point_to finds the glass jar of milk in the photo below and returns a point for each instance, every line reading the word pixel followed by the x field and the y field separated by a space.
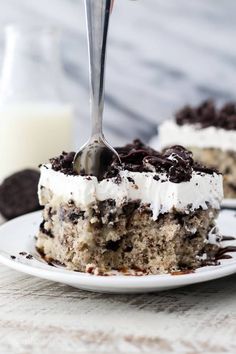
pixel 35 123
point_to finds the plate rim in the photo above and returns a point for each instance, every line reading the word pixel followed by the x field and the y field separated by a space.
pixel 229 202
pixel 129 282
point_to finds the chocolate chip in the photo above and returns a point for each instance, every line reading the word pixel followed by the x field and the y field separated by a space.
pixel 128 248
pixel 118 179
pixel 75 216
pixel 29 256
pixel 130 207
pixel 113 245
pixel 131 180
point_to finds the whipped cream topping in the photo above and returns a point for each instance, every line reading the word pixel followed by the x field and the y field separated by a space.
pixel 191 135
pixel 151 188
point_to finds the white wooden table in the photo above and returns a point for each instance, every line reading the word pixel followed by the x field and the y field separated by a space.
pixel 38 316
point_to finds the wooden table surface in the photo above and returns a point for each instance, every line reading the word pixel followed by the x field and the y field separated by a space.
pixel 38 316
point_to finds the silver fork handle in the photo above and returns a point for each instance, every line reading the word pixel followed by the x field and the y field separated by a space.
pixel 97 18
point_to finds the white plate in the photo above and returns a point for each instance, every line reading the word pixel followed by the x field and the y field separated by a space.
pixel 18 236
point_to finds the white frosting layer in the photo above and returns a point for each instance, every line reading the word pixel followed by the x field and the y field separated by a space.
pixel 162 195
pixel 171 133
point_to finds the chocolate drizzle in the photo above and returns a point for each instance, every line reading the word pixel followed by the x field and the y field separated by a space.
pixel 216 253
pixel 227 238
pixel 206 115
pixel 222 252
pixel 44 230
pixel 176 162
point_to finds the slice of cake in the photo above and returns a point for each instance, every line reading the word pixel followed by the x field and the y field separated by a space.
pixel 153 213
pixel 210 133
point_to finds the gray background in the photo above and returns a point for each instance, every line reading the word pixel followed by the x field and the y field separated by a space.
pixel 162 54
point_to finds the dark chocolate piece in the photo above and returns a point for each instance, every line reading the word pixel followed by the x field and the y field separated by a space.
pixel 113 245
pixel 23 253
pixel 29 256
pixel 76 215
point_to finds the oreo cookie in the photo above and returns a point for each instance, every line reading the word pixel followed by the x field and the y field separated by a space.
pixel 18 194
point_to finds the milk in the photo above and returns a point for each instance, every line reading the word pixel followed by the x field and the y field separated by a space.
pixel 31 133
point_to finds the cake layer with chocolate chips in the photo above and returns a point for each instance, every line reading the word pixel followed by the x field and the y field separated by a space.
pixel 103 238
